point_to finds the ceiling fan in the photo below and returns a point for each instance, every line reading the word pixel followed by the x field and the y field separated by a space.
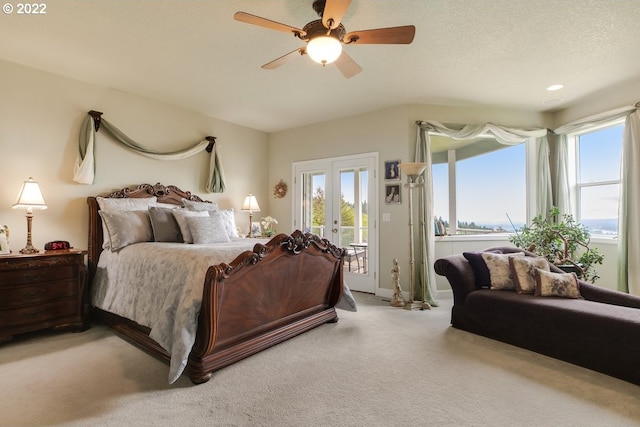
pixel 326 36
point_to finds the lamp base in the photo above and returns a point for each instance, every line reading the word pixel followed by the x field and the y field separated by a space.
pixel 29 250
pixel 417 305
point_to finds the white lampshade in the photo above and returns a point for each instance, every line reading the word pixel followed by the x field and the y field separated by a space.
pixel 413 169
pixel 250 204
pixel 30 196
pixel 324 49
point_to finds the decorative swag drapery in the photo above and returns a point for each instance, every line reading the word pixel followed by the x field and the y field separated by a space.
pixel 84 169
pixel 504 135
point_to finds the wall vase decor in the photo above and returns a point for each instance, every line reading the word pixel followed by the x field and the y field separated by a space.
pixel 414 171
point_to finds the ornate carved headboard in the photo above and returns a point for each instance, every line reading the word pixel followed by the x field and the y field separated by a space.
pixel 165 194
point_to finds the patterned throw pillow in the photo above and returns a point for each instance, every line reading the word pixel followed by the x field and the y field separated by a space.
pixel 549 284
pixel 499 271
pixel 523 272
pixel 207 229
pixel 126 228
pixel 181 216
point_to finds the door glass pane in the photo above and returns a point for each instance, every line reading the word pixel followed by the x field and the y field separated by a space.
pixel 354 217
pixel 313 202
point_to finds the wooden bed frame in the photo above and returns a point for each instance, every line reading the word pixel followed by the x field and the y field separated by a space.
pixel 282 288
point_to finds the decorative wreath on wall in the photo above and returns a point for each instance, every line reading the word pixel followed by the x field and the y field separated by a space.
pixel 280 190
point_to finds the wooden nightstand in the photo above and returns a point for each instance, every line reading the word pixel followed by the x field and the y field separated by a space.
pixel 43 290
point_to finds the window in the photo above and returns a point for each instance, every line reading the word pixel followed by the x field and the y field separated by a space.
pixel 598 154
pixel 481 187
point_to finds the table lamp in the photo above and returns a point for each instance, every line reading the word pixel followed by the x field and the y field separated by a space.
pixel 250 205
pixel 30 198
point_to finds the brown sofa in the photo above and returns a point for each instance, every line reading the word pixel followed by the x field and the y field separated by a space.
pixel 599 331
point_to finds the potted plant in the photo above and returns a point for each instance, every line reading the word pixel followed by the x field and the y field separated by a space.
pixel 563 241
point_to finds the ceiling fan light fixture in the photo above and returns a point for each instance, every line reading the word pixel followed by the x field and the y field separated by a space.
pixel 324 49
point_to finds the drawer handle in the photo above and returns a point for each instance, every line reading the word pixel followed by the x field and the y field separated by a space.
pixel 34 314
pixel 35 293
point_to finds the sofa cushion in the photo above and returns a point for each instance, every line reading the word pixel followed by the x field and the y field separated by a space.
pixel 549 284
pixel 480 270
pixel 499 271
pixel 523 271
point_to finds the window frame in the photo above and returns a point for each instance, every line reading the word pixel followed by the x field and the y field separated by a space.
pixel 573 142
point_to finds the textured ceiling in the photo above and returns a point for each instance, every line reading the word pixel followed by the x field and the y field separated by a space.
pixel 193 54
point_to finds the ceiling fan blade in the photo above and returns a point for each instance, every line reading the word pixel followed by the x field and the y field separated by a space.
pixel 334 11
pixel 391 35
pixel 284 58
pixel 267 23
pixel 347 66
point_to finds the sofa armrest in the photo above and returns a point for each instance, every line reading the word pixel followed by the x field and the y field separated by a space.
pixel 596 293
pixel 460 275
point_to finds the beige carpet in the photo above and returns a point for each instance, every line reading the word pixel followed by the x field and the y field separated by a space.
pixel 381 366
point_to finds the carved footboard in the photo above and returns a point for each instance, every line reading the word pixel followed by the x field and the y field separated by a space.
pixel 264 297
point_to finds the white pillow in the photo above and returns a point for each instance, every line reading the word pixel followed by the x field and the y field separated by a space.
pixel 199 206
pixel 181 216
pixel 207 229
pixel 126 204
pixel 229 221
pixel 126 228
pixel 123 204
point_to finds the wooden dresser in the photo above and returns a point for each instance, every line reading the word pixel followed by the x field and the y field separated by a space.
pixel 43 290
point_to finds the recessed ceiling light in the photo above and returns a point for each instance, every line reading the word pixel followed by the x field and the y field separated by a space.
pixel 555 87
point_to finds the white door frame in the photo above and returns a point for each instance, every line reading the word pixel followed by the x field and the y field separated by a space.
pixel 368 282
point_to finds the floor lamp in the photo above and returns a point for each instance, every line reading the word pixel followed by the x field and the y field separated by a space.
pixel 414 180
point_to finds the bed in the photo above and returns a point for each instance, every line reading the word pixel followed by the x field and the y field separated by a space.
pixel 264 294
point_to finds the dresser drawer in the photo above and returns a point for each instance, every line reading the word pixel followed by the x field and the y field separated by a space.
pixel 16 277
pixel 39 314
pixel 20 295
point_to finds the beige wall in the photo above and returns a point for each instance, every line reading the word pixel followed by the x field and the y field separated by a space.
pixel 391 133
pixel 40 115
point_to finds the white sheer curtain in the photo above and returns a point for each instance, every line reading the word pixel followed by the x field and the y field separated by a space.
pixel 504 135
pixel 84 168
pixel 562 188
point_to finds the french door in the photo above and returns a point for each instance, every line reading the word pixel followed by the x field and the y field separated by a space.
pixel 336 198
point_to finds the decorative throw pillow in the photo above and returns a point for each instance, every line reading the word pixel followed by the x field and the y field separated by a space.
pixel 229 220
pixel 164 225
pixel 199 206
pixel 207 229
pixel 127 227
pixel 499 271
pixel 181 216
pixel 479 267
pixel 523 272
pixel 122 204
pixel 550 284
